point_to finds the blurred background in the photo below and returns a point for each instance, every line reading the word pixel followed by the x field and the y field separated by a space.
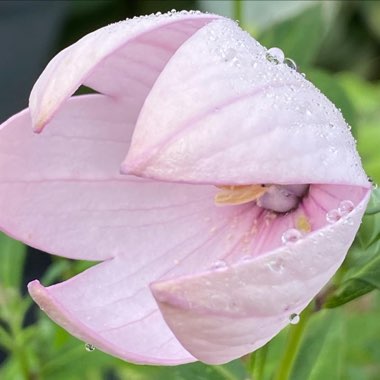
pixel 336 44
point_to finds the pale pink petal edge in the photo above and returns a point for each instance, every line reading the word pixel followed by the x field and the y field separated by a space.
pixel 63 317
pixel 185 301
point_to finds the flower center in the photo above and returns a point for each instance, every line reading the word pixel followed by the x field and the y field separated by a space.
pixel 277 198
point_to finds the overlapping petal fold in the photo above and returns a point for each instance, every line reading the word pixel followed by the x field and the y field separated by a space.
pixel 224 314
pixel 239 118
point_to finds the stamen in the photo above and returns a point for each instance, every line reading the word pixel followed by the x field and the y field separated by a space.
pixel 272 197
pixel 237 195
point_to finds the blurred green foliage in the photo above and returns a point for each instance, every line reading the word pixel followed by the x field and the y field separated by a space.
pixel 337 45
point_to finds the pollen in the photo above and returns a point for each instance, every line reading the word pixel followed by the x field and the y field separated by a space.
pixel 303 223
pixel 237 195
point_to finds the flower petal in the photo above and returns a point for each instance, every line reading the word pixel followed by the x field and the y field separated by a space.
pixel 103 306
pixel 239 119
pixel 56 188
pixel 61 191
pixel 114 60
pixel 223 314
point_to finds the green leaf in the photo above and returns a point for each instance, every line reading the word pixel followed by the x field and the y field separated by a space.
pixel 292 38
pixel 10 370
pixel 256 15
pixel 331 87
pixel 349 291
pixel 362 280
pixel 365 97
pixel 194 371
pixel 12 257
pixel 363 329
pixel 330 362
pixel 368 232
pixel 374 203
pixel 321 352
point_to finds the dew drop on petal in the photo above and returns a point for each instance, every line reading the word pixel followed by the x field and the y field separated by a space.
pixel 229 54
pixel 294 319
pixel 275 55
pixel 348 221
pixel 333 216
pixel 345 207
pixel 289 62
pixel 291 236
pixel 89 347
pixel 276 266
pixel 219 264
pixel 246 258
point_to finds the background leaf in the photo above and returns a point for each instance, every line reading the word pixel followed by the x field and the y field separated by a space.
pixel 12 257
pixel 361 281
pixel 374 203
pixel 290 35
pixel 321 352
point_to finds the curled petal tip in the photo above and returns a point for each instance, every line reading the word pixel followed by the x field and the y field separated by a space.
pixel 128 168
pixel 38 127
pixel 125 169
pixel 33 284
pixel 36 290
pixel 39 120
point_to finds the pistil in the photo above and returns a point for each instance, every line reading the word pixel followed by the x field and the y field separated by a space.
pixel 277 198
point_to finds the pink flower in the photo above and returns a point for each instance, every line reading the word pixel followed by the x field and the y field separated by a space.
pixel 239 196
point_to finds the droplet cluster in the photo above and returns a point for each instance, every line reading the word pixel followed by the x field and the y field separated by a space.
pixel 344 208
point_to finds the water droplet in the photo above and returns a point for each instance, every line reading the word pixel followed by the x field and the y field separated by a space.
pixel 294 319
pixel 333 216
pixel 348 221
pixel 89 347
pixel 345 207
pixel 276 266
pixel 291 236
pixel 173 10
pixel 229 54
pixel 246 258
pixel 289 62
pixel 275 55
pixel 219 264
pixel 158 13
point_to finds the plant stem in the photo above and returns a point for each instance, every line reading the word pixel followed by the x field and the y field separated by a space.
pixel 238 10
pixel 257 363
pixel 292 346
pixel 224 372
pixel 23 361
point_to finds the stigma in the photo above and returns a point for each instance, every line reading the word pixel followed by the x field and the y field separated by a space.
pixel 276 198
